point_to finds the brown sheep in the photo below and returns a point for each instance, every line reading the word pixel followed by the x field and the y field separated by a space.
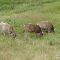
pixel 46 26
pixel 33 28
pixel 7 29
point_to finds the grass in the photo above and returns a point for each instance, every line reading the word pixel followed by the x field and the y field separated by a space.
pixel 17 13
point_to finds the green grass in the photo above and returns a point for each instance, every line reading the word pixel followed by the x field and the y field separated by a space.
pixel 29 46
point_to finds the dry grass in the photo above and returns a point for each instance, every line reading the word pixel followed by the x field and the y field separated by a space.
pixel 31 47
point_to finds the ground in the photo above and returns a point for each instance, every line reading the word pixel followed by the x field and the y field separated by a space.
pixel 31 47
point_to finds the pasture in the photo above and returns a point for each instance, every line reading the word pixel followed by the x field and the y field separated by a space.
pixel 31 47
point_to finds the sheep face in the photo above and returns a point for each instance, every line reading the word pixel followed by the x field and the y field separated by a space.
pixel 13 34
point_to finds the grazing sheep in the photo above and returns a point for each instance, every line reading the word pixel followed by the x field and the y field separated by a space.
pixel 7 29
pixel 47 26
pixel 33 28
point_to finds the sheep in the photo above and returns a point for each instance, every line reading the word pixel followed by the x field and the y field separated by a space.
pixel 7 29
pixel 46 26
pixel 33 28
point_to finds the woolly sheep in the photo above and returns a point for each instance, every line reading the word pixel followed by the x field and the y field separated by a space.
pixel 7 29
pixel 33 28
pixel 47 26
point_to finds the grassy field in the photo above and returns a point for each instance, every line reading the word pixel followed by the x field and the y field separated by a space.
pixel 31 47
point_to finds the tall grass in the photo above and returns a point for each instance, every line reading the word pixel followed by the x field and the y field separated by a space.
pixel 20 12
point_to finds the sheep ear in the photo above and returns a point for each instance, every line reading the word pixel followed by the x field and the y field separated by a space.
pixel 10 32
pixel 38 24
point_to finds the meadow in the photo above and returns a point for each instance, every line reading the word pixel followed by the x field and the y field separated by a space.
pixel 31 47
